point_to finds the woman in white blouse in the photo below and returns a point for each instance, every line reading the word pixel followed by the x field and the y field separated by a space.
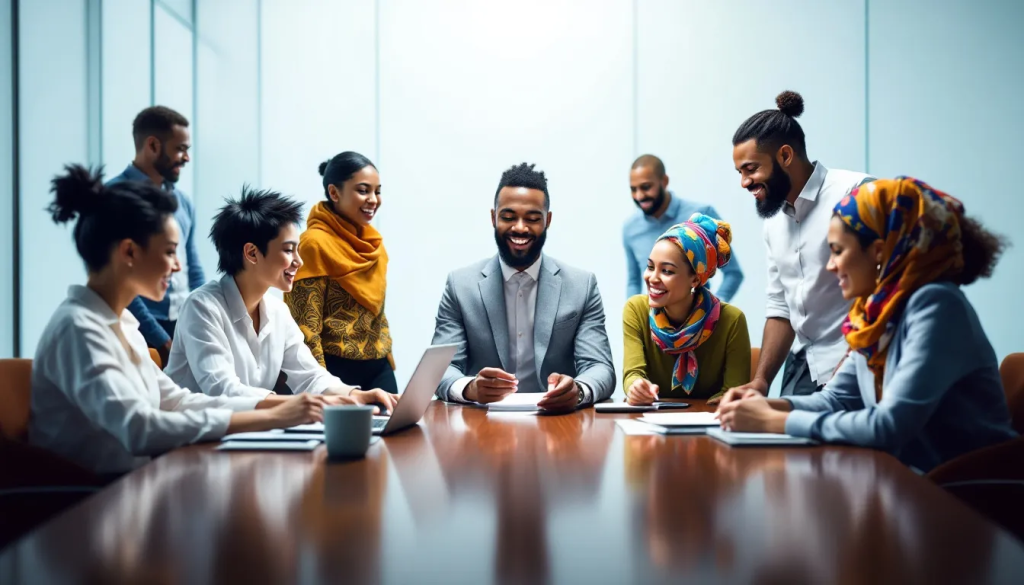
pixel 97 398
pixel 236 340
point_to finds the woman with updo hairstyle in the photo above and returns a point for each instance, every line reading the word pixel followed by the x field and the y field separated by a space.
pixel 681 341
pixel 338 295
pixel 98 400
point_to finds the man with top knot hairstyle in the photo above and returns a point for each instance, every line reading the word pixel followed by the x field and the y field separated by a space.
pixel 805 306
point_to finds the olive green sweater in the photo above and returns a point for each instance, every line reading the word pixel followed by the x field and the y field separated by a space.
pixel 723 360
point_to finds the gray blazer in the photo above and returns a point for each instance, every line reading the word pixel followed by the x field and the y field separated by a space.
pixel 569 334
pixel 941 392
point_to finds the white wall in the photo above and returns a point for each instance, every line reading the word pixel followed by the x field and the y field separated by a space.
pixel 52 132
pixel 471 88
pixel 318 90
pixel 226 138
pixel 173 74
pixel 126 77
pixel 945 107
pixel 6 185
pixel 701 73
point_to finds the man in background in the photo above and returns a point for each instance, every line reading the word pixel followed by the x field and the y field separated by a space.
pixel 661 209
pixel 162 142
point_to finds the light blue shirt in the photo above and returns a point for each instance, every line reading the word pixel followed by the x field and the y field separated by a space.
pixel 190 278
pixel 941 393
pixel 641 231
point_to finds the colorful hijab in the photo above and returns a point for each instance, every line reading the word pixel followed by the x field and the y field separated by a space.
pixel 705 243
pixel 332 247
pixel 920 228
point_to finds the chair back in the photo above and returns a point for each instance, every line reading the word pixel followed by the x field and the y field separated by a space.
pixel 155 356
pixel 1012 373
pixel 15 398
pixel 755 355
pixel 990 480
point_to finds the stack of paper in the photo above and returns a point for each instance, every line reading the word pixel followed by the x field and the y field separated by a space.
pixel 758 439
pixel 301 438
pixel 516 402
pixel 268 445
pixel 680 423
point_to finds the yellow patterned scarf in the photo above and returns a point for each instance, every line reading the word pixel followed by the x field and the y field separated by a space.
pixel 332 247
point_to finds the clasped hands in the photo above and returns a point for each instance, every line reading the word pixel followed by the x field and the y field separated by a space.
pixel 747 409
pixel 493 384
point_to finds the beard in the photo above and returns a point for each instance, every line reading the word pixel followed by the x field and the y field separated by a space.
pixel 776 188
pixel 658 199
pixel 166 167
pixel 517 259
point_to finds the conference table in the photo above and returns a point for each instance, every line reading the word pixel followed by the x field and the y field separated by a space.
pixel 472 497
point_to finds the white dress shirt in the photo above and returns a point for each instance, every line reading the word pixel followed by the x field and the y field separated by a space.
pixel 520 310
pixel 100 401
pixel 799 287
pixel 217 351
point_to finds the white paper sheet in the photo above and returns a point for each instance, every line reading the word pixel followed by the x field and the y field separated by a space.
pixel 681 419
pixel 310 428
pixel 516 402
pixel 276 435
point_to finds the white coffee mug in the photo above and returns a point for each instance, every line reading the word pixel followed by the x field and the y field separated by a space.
pixel 347 430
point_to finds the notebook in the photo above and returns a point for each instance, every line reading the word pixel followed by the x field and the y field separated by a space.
pixel 735 439
pixel 677 430
pixel 681 419
pixel 268 445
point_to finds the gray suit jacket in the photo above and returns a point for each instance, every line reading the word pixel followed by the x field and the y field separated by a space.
pixel 569 334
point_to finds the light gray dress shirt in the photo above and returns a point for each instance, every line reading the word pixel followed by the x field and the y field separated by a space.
pixel 799 287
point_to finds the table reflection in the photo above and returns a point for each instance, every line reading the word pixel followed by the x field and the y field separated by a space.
pixel 520 499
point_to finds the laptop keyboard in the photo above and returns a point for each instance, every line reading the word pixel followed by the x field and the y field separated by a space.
pixel 379 423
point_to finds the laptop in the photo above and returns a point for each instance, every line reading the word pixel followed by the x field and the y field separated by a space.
pixel 418 392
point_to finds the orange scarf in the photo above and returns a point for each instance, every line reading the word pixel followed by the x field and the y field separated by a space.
pixel 920 228
pixel 331 247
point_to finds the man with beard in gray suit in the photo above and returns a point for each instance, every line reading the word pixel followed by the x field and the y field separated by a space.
pixel 524 322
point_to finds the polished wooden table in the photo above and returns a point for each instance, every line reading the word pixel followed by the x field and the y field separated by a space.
pixel 471 498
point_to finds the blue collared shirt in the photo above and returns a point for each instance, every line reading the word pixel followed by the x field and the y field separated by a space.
pixel 189 278
pixel 641 231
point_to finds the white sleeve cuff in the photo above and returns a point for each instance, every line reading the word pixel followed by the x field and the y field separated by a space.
pixel 457 388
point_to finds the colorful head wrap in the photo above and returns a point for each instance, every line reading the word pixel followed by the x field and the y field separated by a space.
pixel 705 243
pixel 920 229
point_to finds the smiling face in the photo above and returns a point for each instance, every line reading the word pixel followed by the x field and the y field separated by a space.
pixel 520 225
pixel 171 154
pixel 648 189
pixel 855 266
pixel 763 176
pixel 153 264
pixel 358 199
pixel 276 268
pixel 669 277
